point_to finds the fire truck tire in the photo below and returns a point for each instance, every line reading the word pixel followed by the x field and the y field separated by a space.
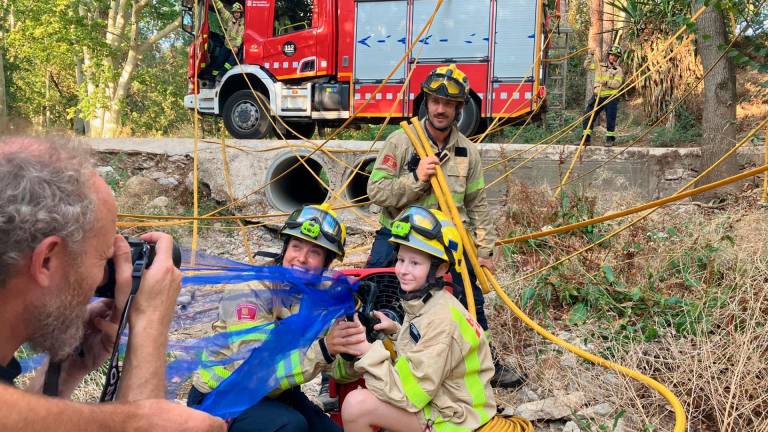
pixel 305 129
pixel 245 117
pixel 469 120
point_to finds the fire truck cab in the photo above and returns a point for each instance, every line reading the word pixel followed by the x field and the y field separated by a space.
pixel 316 62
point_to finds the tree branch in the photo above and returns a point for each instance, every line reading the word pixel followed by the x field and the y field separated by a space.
pixel 157 37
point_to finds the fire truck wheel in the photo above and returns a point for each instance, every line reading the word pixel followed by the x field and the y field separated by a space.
pixel 305 129
pixel 469 119
pixel 245 117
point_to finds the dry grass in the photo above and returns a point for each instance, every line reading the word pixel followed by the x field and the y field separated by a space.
pixel 716 366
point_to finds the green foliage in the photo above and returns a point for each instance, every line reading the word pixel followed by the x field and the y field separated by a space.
pixel 64 61
pixel 623 306
pixel 367 132
pixel 685 131
pixel 587 425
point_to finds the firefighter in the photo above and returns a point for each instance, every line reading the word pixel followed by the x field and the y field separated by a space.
pixel 608 78
pixel 400 178
pixel 312 238
pixel 234 27
pixel 440 378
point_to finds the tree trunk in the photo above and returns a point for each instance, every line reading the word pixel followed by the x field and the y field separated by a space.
pixel 609 15
pixel 3 106
pixel 595 41
pixel 719 114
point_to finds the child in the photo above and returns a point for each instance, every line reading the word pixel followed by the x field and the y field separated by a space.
pixel 440 380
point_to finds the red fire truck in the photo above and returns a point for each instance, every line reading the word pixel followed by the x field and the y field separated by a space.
pixel 316 62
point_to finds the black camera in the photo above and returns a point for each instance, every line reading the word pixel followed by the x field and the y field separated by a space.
pixel 142 255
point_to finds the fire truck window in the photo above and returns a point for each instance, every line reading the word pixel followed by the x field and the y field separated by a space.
pixel 292 16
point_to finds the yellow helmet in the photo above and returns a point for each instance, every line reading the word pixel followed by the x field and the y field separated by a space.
pixel 429 231
pixel 317 224
pixel 237 7
pixel 447 82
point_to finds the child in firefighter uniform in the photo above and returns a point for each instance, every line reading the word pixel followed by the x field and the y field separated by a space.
pixel 608 79
pixel 313 238
pixel 441 376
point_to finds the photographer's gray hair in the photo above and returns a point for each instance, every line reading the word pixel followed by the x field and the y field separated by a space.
pixel 45 193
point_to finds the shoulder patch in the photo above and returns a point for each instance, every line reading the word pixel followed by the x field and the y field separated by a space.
pixel 475 325
pixel 461 152
pixel 390 162
pixel 246 312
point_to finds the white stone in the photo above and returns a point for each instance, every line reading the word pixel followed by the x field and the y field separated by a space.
pixel 168 181
pixel 105 171
pixel 551 408
pixel 599 410
pixel 571 427
pixel 160 202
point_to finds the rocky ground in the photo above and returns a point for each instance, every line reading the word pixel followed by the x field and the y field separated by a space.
pixel 563 392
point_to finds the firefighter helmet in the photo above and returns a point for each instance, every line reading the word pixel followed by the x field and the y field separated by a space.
pixel 317 224
pixel 237 7
pixel 447 82
pixel 429 231
pixel 615 50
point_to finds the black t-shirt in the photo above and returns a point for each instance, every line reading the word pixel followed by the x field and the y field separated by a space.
pixel 10 371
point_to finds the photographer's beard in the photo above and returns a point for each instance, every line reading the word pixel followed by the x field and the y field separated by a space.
pixel 62 319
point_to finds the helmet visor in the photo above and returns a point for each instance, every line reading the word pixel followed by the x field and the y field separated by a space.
pixel 417 219
pixel 314 222
pixel 451 86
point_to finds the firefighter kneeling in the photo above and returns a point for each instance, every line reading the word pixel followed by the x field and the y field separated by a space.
pixel 442 374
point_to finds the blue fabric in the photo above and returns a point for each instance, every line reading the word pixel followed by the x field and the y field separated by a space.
pixel 321 298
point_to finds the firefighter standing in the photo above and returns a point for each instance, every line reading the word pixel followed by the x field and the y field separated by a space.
pixel 234 27
pixel 608 79
pixel 400 178
pixel 440 378
pixel 313 238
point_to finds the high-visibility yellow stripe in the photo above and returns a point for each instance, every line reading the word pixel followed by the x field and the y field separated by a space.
pixel 476 185
pixel 378 174
pixel 296 363
pixel 413 391
pixel 472 380
pixel 284 384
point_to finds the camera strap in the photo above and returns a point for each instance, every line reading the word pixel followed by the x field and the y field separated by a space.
pixel 109 392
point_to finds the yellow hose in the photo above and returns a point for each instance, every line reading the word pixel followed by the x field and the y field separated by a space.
pixel 680 417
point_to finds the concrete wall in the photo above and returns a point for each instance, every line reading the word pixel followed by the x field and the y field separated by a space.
pixel 647 173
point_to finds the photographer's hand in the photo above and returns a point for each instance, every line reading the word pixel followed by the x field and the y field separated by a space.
pixel 385 325
pixel 96 346
pixel 149 318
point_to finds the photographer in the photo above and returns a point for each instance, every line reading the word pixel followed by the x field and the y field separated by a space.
pixel 57 232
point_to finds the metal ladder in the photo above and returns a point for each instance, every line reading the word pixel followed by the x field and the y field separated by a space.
pixel 557 72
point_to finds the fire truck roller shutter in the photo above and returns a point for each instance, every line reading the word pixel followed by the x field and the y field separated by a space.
pixel 380 39
pixel 460 31
pixel 515 27
pixel 296 186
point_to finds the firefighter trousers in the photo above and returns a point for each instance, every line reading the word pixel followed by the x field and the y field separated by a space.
pixel 383 256
pixel 611 110
pixel 291 411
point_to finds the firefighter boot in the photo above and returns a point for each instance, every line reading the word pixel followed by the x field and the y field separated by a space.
pixel 610 138
pixel 504 376
pixel 327 402
pixel 587 137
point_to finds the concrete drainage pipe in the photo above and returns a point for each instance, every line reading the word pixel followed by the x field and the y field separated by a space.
pixel 296 186
pixel 357 189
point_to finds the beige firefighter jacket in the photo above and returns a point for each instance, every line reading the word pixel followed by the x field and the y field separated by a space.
pixel 445 375
pixel 608 78
pixel 241 308
pixel 234 28
pixel 393 187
